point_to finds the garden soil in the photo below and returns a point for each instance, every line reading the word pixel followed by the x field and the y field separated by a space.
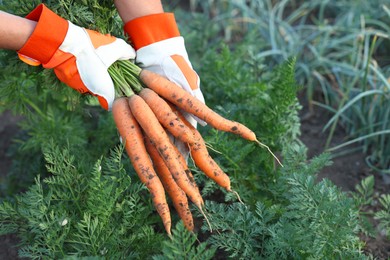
pixel 345 172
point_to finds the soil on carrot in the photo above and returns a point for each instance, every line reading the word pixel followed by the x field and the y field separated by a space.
pixel 345 172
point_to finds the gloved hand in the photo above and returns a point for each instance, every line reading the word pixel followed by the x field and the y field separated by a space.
pixel 160 48
pixel 80 57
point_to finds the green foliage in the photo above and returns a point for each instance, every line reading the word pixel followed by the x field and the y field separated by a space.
pixel 183 245
pixel 52 110
pixel 315 220
pixel 84 207
pixel 287 215
pixel 341 49
pixel 86 133
pixel 368 202
pixel 366 198
pixel 383 215
pixel 236 91
pixel 365 190
pixel 100 212
pixel 98 15
pixel 242 89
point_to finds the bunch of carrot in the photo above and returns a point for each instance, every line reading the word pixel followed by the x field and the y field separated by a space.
pixel 145 114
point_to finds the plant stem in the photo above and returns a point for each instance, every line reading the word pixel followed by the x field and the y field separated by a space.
pixel 34 106
pixel 122 88
pixel 371 51
pixel 125 75
pixel 131 73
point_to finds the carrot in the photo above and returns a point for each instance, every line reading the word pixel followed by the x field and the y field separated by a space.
pixel 203 160
pixel 184 100
pixel 190 104
pixel 206 164
pixel 132 136
pixel 166 116
pixel 153 129
pixel 190 177
pixel 178 197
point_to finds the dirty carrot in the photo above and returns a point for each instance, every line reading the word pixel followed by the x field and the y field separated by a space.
pixel 177 195
pixel 166 116
pixel 184 100
pixel 153 129
pixel 190 177
pixel 203 160
pixel 132 136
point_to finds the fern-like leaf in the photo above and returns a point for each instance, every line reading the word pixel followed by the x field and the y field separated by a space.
pixel 184 245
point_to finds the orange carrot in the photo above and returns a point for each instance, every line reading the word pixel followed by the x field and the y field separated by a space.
pixel 184 100
pixel 178 197
pixel 131 134
pixel 190 177
pixel 206 164
pixel 166 116
pixel 153 129
pixel 184 164
pixel 202 158
pixel 204 161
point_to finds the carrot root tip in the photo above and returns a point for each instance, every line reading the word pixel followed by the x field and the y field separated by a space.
pixel 207 220
pixel 238 196
pixel 269 150
pixel 168 229
pixel 213 149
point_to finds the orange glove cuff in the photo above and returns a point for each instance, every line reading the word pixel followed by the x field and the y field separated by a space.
pixel 47 36
pixel 152 28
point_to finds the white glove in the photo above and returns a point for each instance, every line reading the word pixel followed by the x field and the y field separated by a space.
pixel 80 57
pixel 161 49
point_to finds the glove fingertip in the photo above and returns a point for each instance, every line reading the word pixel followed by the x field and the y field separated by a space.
pixel 199 95
pixel 103 103
pixel 127 51
pixel 106 98
pixel 201 122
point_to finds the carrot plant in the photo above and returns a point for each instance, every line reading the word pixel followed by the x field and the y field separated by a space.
pixel 341 49
pixel 86 199
pixel 98 212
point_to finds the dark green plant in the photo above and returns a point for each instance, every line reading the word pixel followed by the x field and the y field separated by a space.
pixel 51 109
pixel 368 200
pixel 341 49
pixel 90 207
pixel 265 101
pixel 87 131
pixel 308 220
pixel 383 215
pixel 99 212
pixel 184 245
